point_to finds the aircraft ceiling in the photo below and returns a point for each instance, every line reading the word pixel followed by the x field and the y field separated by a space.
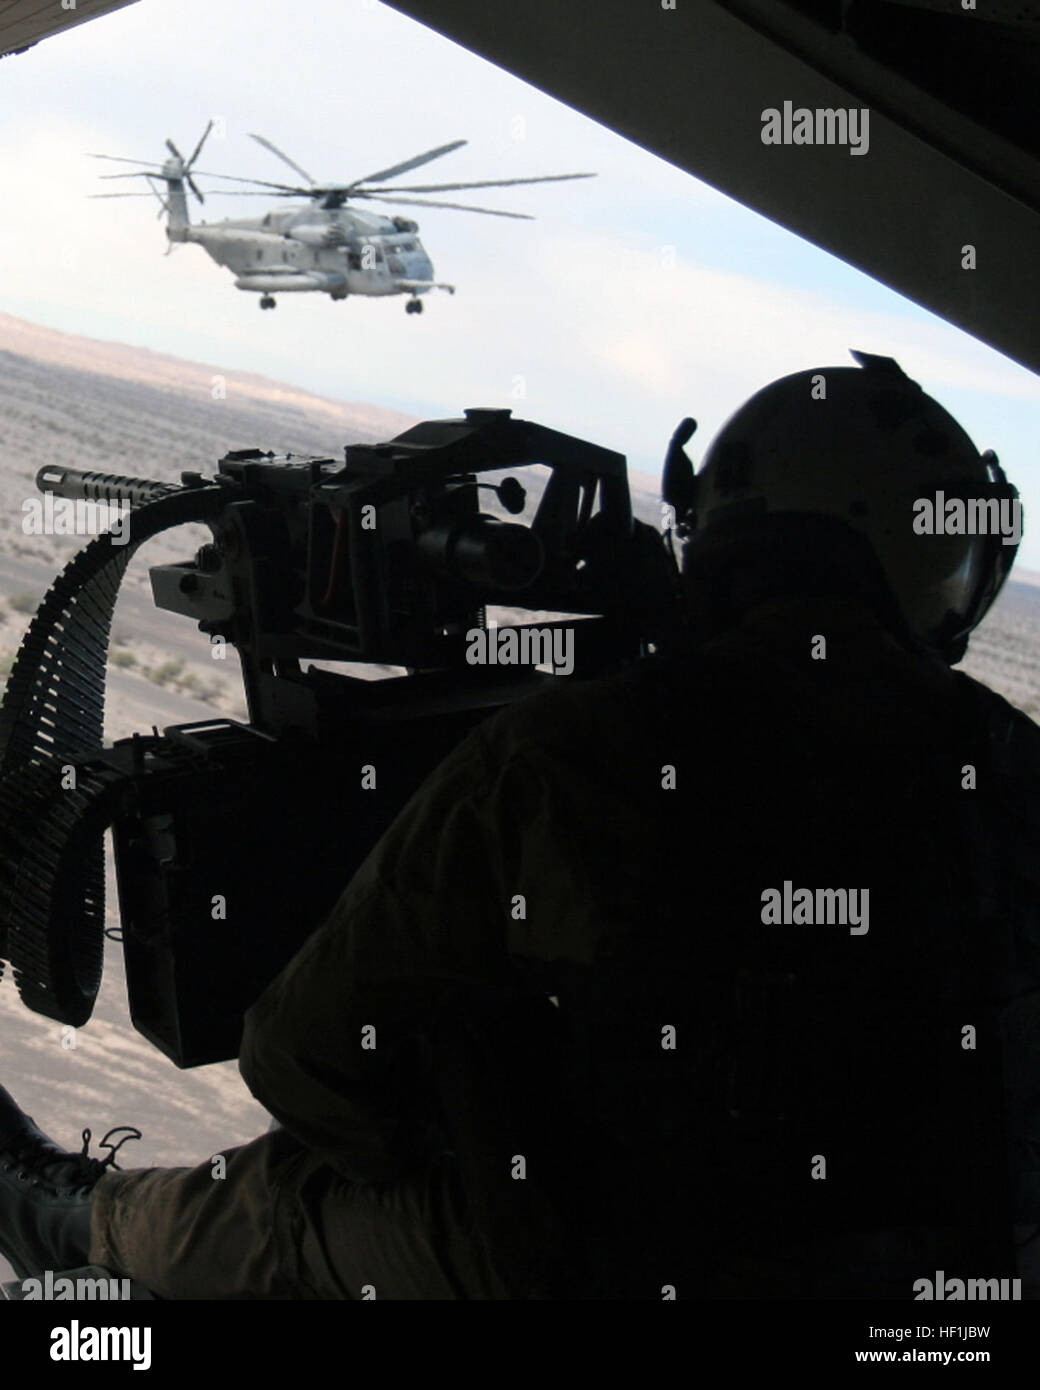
pixel 25 22
pixel 952 88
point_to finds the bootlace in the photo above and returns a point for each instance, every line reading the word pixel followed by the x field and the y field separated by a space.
pixel 100 1164
pixel 79 1171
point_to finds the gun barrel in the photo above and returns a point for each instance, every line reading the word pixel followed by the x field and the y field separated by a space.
pixel 101 487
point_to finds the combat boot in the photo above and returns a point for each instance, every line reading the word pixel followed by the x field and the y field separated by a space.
pixel 45 1193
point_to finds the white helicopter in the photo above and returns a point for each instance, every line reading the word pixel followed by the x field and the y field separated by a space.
pixel 328 246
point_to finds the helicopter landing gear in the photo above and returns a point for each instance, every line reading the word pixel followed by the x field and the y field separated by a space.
pixel 414 306
pixel 267 301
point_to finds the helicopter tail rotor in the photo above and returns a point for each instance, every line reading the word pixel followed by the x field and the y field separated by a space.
pixel 175 170
pixel 186 165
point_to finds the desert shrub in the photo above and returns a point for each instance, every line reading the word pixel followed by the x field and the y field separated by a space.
pixel 168 671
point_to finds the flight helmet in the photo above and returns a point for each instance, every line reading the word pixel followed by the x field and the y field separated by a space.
pixel 869 451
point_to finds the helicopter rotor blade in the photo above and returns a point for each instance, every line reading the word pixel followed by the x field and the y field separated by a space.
pixel 339 194
pixel 153 192
pixel 164 204
pixel 262 140
pixel 249 193
pixel 277 193
pixel 482 183
pixel 145 174
pixel 148 174
pixel 264 183
pixel 119 159
pixel 198 148
pixel 459 207
pixel 281 190
pixel 408 164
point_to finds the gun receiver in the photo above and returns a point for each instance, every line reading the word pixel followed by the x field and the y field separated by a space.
pixel 387 558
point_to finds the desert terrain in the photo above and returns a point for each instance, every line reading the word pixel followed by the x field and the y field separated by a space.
pixel 71 401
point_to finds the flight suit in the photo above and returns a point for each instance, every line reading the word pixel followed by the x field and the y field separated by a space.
pixel 627 830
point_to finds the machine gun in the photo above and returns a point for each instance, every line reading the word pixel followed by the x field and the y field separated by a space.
pixel 233 841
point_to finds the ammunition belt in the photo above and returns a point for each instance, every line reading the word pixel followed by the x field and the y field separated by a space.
pixel 56 796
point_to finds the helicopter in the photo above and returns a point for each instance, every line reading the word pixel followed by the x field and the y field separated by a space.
pixel 329 246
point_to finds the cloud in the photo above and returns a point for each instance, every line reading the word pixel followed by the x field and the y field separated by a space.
pixel 656 318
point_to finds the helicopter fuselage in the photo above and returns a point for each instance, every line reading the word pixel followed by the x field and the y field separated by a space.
pixel 336 251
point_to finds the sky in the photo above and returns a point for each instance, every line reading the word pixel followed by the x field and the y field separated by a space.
pixel 636 298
